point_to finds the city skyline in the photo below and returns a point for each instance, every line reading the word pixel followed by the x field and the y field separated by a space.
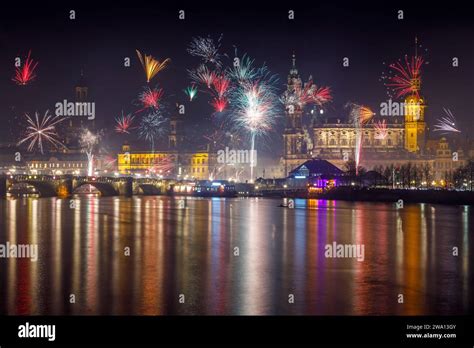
pixel 116 87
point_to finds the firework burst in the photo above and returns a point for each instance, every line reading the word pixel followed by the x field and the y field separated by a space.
pixel 26 73
pixel 88 140
pixel 151 65
pixel 309 93
pixel 151 127
pixel 406 76
pixel 191 92
pixel 447 123
pixel 381 131
pixel 221 85
pixel 203 75
pixel 244 71
pixel 124 123
pixel 40 131
pixel 219 104
pixel 360 114
pixel 150 98
pixel 206 49
pixel 255 106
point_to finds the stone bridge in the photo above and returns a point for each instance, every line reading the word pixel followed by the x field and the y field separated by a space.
pixel 66 185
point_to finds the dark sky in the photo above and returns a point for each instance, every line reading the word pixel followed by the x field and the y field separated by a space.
pixel 321 35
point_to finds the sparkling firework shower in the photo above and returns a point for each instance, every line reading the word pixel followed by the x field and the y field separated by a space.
pixel 88 140
pixel 206 49
pixel 40 131
pixel 151 65
pixel 151 127
pixel 25 73
pixel 244 71
pixel 203 75
pixel 256 109
pixel 359 116
pixel 447 123
pixel 309 93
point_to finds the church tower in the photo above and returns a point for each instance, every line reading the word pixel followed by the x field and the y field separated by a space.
pixel 293 137
pixel 415 126
pixel 75 124
pixel 175 136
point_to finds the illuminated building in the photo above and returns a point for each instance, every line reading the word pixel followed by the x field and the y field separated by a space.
pixel 58 164
pixel 315 134
pixel 174 162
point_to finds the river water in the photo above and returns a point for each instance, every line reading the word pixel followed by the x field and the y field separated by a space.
pixel 157 255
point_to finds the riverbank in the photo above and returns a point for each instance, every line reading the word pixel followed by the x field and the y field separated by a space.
pixel 394 195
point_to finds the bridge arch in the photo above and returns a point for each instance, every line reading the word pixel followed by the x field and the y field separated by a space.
pixel 105 189
pixel 43 188
pixel 148 189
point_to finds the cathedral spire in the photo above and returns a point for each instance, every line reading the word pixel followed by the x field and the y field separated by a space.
pixel 293 70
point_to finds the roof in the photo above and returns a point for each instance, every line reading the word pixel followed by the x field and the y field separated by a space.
pixel 316 167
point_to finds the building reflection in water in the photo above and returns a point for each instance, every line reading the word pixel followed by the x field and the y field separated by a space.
pixel 234 256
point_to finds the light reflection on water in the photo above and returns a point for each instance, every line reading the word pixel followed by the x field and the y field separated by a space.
pixel 193 252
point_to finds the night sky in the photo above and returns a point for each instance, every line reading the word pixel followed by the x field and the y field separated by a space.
pixel 321 35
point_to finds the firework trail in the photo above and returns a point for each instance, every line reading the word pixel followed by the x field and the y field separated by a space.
pixel 124 123
pixel 447 124
pixel 87 141
pixel 25 73
pixel 359 116
pixel 203 75
pixel 255 111
pixel 151 127
pixel 191 92
pixel 150 98
pixel 206 49
pixel 151 65
pixel 381 131
pixel 40 131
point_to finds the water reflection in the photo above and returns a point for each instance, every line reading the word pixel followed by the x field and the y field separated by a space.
pixel 234 256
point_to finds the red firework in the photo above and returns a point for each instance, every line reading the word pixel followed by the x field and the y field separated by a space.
pixel 219 104
pixel 25 73
pixel 407 79
pixel 221 85
pixel 124 124
pixel 321 95
pixel 150 98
